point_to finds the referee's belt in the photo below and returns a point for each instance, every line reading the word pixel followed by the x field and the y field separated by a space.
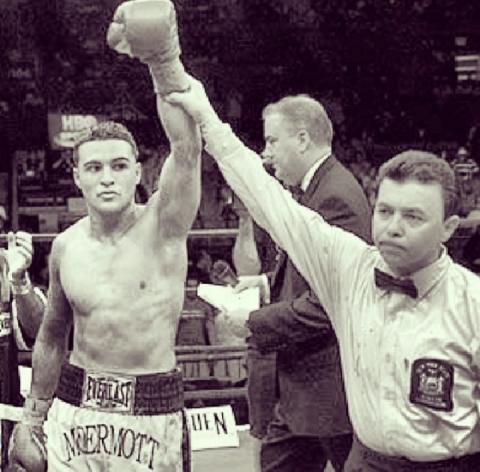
pixel 148 395
pixel 378 461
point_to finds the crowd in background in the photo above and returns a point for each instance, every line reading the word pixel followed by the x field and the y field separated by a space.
pixel 381 100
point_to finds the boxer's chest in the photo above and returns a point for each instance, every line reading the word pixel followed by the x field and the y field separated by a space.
pixel 95 276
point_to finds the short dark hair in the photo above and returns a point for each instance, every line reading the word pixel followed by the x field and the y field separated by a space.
pixel 102 131
pixel 303 111
pixel 423 167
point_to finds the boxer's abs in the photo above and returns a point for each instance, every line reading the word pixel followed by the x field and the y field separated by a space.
pixel 120 330
pixel 135 336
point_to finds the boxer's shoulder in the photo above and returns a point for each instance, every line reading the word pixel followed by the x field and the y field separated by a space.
pixel 67 237
pixel 78 228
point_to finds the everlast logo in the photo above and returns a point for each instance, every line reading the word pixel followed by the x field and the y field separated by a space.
pixel 108 393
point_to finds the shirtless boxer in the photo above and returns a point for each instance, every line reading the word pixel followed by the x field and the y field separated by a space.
pixel 118 276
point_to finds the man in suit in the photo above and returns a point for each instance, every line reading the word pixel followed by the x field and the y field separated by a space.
pixel 309 425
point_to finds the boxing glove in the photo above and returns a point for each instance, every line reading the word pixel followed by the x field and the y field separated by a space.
pixel 27 450
pixel 147 30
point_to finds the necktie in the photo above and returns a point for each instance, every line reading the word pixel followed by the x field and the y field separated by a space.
pixel 278 275
pixel 387 282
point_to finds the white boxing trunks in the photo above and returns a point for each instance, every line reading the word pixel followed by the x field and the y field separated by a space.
pixel 102 422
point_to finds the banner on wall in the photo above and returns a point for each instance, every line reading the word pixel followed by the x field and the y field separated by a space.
pixel 63 128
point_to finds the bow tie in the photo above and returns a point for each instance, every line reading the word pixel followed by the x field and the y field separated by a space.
pixel 387 282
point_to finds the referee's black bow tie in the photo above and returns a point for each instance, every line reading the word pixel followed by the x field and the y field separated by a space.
pixel 387 282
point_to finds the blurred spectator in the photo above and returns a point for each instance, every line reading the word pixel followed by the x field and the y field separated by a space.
pixel 204 266
pixel 474 142
pixel 471 251
pixel 467 173
pixel 3 219
pixel 365 172
pixel 225 198
pixel 233 108
pixel 197 323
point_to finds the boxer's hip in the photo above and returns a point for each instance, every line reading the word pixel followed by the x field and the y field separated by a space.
pixel 104 421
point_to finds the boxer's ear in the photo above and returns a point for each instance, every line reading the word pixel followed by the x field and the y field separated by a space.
pixel 76 178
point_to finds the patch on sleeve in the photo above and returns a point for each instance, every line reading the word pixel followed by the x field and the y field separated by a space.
pixel 431 384
pixel 5 324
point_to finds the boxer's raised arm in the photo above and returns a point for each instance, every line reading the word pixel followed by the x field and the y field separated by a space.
pixel 51 345
pixel 147 30
pixel 178 195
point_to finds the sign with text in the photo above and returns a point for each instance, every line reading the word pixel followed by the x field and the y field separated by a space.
pixel 212 427
pixel 63 128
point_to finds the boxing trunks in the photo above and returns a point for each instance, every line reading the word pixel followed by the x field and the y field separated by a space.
pixel 106 421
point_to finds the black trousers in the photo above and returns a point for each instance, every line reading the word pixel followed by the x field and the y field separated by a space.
pixel 262 390
pixel 282 451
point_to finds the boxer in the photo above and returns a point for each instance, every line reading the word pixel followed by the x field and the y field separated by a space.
pixel 117 276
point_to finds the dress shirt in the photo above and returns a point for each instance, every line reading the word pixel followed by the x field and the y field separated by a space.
pixel 307 178
pixel 411 366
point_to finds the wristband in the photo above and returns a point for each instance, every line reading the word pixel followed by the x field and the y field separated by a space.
pixel 21 287
pixel 35 410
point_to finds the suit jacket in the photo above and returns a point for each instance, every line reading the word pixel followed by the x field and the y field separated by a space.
pixel 311 393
